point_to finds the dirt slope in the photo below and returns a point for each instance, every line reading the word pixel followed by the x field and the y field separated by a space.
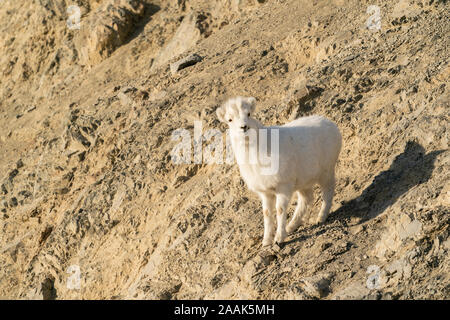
pixel 88 186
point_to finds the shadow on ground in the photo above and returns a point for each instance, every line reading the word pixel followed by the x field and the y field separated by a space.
pixel 410 168
pixel 150 10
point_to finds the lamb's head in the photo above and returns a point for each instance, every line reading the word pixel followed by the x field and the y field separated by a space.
pixel 237 112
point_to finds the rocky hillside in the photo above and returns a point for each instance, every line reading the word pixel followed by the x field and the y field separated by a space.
pixel 92 205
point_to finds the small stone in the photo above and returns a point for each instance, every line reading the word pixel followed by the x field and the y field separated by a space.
pixel 295 293
pixel 13 202
pixel 288 251
pixel 143 95
pixel 82 156
pixel 325 246
pixel 340 101
pixel 317 286
pixel 374 296
pixel 19 164
pixel 356 229
pixel 349 108
pixel 188 61
pixel 12 174
pixel 387 296
pixel 128 89
pixel 276 248
pixel 266 259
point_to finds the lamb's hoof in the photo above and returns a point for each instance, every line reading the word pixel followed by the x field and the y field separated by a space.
pixel 279 238
pixel 291 228
pixel 266 242
pixel 321 220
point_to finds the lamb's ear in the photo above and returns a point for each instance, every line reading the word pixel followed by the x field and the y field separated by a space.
pixel 221 113
pixel 252 102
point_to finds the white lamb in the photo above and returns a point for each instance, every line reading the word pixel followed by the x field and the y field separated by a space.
pixel 308 149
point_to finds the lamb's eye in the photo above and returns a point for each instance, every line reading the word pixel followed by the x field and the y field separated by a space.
pixel 230 120
pixel 249 114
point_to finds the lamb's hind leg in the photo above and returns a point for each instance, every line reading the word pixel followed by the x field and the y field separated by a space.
pixel 327 189
pixel 304 198
pixel 268 204
pixel 281 206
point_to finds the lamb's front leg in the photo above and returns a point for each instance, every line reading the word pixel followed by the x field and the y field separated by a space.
pixel 268 204
pixel 281 205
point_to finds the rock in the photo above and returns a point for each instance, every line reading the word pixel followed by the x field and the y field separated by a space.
pixel 357 229
pixel 324 246
pixel 31 109
pixel 13 174
pixel 48 289
pixel 276 247
pixel 399 270
pixel 248 272
pixel 185 38
pixel 179 180
pixel 19 164
pixel 446 244
pixel 13 202
pixel 295 293
pixel 400 230
pixel 317 286
pixel 188 61
pixel 125 100
pixel 374 296
pixel 268 258
pixel 444 196
pixel 107 29
pixel 409 228
pixel 354 291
